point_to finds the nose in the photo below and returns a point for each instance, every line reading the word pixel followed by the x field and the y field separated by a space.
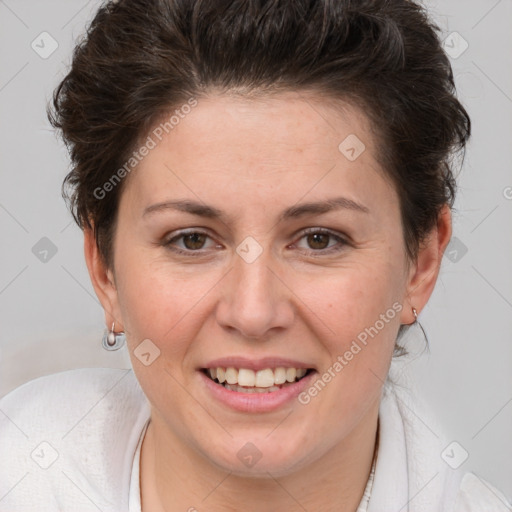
pixel 255 299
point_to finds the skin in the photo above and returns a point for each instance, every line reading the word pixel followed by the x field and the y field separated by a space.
pixel 252 158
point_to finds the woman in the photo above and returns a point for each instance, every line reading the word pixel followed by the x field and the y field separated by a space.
pixel 265 193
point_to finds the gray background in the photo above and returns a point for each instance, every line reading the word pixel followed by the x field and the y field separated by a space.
pixel 51 319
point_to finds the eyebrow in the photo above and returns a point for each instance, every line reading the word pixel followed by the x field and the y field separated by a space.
pixel 312 208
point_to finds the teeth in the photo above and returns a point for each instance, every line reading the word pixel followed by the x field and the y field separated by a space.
pixel 247 378
pixel 221 375
pixel 266 379
pixel 231 375
pixel 280 375
pixel 251 390
pixel 301 372
pixel 291 373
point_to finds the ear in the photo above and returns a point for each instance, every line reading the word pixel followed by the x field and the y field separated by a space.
pixel 103 281
pixel 425 270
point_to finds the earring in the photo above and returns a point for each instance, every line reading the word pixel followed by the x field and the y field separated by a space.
pixel 113 340
pixel 415 313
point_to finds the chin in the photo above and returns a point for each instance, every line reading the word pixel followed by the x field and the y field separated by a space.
pixel 258 457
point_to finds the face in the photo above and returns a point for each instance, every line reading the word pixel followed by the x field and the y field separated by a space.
pixel 246 272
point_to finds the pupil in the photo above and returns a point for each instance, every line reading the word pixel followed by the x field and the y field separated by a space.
pixel 316 238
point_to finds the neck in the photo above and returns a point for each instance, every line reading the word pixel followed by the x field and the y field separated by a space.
pixel 175 478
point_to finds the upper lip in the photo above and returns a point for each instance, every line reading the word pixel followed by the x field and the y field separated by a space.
pixel 256 364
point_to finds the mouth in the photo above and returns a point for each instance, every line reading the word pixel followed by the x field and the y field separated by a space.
pixel 245 380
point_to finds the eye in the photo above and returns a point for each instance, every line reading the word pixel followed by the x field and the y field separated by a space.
pixel 319 241
pixel 192 242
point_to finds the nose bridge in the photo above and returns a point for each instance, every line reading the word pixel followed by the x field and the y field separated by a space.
pixel 253 279
pixel 254 298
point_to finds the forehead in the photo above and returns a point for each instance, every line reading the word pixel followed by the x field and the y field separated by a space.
pixel 289 125
pixel 285 144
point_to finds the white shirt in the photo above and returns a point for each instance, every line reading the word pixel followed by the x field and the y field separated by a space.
pixel 71 441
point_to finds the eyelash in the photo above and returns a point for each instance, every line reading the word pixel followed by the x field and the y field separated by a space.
pixel 309 231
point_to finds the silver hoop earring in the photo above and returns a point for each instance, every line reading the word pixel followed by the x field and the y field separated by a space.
pixel 113 340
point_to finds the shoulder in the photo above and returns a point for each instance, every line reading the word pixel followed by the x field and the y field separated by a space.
pixel 72 430
pixel 54 398
pixel 475 494
pixel 416 460
pixel 66 382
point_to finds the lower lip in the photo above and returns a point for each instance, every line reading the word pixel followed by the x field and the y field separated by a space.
pixel 256 402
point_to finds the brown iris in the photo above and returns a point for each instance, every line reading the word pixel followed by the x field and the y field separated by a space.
pixel 316 239
pixel 196 240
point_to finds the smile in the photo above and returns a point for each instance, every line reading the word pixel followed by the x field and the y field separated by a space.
pixel 245 380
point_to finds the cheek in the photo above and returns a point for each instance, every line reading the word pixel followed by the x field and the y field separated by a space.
pixel 348 300
pixel 155 300
pixel 359 312
pixel 162 306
